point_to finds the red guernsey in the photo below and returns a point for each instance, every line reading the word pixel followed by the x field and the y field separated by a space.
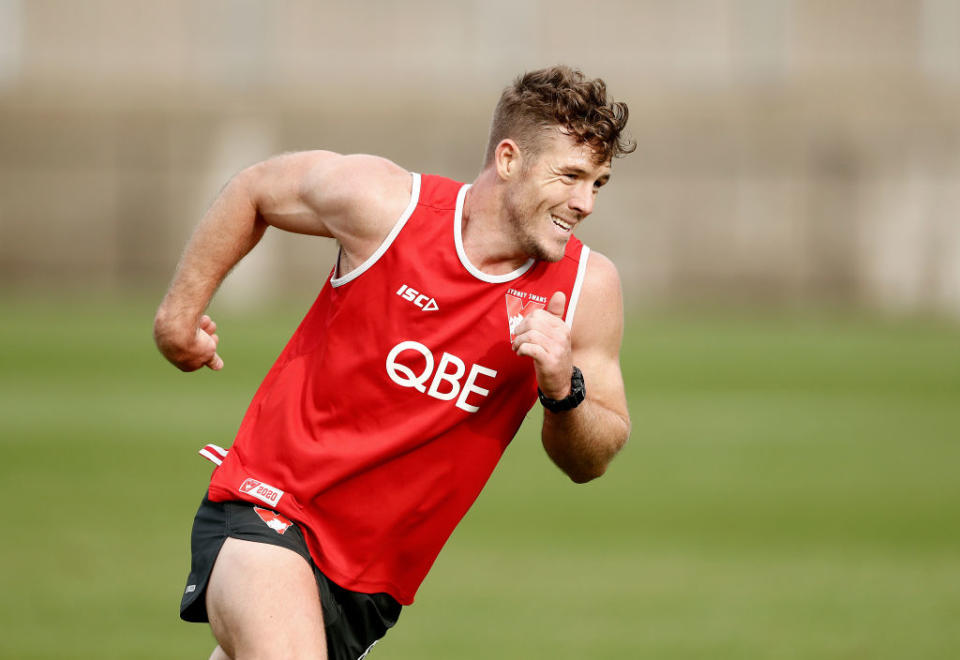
pixel 389 408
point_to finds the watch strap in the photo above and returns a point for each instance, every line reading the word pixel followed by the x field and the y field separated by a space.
pixel 577 394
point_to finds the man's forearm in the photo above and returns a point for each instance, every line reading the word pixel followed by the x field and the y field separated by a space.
pixel 584 440
pixel 227 232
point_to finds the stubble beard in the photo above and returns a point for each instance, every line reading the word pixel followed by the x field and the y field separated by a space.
pixel 523 221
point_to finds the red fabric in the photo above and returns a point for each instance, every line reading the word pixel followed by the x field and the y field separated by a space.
pixel 378 473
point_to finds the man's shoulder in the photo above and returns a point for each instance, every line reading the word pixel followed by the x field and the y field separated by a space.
pixel 601 298
pixel 360 196
pixel 354 179
pixel 601 272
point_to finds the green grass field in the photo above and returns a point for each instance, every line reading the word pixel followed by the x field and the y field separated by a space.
pixel 791 490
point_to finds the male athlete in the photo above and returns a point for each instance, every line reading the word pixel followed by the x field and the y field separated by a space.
pixel 450 310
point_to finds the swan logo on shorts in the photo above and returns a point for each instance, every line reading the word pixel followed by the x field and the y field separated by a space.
pixel 520 305
pixel 274 520
pixel 262 491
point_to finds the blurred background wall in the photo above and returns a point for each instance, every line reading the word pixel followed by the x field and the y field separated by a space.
pixel 790 152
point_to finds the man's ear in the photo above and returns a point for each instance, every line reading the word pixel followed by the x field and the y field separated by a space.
pixel 508 159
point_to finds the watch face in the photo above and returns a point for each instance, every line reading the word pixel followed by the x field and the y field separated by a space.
pixel 576 381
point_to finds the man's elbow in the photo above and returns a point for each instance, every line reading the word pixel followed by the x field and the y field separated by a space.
pixel 584 472
pixel 582 475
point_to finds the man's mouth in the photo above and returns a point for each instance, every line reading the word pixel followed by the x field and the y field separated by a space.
pixel 565 226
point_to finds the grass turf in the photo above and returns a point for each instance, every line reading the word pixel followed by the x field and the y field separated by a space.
pixel 790 490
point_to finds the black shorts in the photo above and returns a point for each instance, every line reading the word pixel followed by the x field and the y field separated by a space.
pixel 353 621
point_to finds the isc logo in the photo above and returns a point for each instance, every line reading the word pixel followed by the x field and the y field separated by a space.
pixel 446 381
pixel 421 300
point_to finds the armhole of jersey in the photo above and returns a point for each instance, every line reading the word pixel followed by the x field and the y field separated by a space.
pixel 373 258
pixel 577 285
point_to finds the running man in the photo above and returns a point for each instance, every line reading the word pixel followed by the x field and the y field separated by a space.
pixel 450 310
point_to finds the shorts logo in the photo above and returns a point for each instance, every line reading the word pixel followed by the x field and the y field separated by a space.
pixel 274 520
pixel 520 305
pixel 262 491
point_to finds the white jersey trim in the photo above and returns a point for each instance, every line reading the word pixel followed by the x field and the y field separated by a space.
pixel 214 453
pixel 458 239
pixel 577 285
pixel 373 258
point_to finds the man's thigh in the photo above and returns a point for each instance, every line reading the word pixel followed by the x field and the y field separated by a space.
pixel 263 602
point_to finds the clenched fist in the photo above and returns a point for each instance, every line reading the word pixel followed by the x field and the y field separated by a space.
pixel 190 351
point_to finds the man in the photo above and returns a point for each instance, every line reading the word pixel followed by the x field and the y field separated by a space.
pixel 448 307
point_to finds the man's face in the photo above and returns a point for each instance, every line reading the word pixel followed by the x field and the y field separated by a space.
pixel 554 192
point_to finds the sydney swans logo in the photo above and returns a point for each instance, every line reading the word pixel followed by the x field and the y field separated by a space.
pixel 521 304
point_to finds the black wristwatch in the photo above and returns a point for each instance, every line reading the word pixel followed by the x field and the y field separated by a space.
pixel 572 400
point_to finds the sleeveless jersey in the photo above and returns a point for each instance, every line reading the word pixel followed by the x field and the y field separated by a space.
pixel 390 406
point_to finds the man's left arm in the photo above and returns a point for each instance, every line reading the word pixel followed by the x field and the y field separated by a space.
pixel 582 441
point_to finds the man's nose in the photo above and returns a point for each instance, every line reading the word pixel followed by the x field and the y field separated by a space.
pixel 582 200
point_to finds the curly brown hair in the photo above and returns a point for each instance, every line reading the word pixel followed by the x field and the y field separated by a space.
pixel 560 96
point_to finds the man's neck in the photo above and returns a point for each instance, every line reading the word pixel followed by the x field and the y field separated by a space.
pixel 488 237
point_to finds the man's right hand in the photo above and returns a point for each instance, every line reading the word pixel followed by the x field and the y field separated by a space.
pixel 191 352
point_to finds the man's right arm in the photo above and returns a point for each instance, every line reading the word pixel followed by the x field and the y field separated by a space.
pixel 355 199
